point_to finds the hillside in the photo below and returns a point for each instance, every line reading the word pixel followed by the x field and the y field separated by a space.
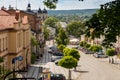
pixel 84 12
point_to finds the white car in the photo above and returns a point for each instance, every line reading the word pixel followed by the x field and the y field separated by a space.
pixel 100 55
pixel 54 58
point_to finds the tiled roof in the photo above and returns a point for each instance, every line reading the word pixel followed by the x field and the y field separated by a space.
pixel 6 22
pixel 4 13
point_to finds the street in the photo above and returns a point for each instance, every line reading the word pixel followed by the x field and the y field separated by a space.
pixel 89 68
pixel 94 69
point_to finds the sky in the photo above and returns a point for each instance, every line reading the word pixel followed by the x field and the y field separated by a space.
pixel 62 4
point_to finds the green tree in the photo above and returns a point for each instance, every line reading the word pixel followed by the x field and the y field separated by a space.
pixel 34 41
pixel 61 47
pixel 51 22
pixel 52 3
pixel 62 37
pixel 75 28
pixel 110 52
pixel 74 53
pixel 68 62
pixel 65 51
pixel 96 48
pixel 106 22
pixel 46 33
pixel 83 43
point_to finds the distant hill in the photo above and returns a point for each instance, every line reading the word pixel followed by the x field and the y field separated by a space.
pixel 84 12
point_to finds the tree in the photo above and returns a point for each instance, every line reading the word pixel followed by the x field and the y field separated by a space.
pixel 110 52
pixel 65 51
pixel 106 22
pixel 68 62
pixel 74 53
pixel 61 47
pixel 51 22
pixel 34 41
pixel 62 37
pixel 83 43
pixel 75 28
pixel 52 3
pixel 46 33
pixel 96 48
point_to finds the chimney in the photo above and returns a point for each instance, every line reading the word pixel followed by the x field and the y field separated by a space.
pixel 17 15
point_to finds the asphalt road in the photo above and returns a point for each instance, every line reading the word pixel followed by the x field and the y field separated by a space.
pixel 89 68
pixel 93 69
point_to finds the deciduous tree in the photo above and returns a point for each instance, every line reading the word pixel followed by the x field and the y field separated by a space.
pixel 62 37
pixel 68 62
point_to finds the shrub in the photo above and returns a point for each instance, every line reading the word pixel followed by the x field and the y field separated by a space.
pixel 83 43
pixel 95 48
pixel 87 45
pixel 110 52
pixel 65 51
pixel 61 47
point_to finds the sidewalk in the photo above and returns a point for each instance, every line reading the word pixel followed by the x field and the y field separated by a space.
pixel 35 70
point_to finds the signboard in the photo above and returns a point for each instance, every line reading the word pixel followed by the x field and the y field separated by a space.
pixel 19 58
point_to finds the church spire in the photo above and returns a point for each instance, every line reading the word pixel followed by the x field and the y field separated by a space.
pixel 29 7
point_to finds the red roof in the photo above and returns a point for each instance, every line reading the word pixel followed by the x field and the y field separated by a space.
pixel 4 13
pixel 7 20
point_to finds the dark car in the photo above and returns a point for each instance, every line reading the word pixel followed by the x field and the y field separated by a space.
pixel 54 77
pixel 58 54
pixel 57 77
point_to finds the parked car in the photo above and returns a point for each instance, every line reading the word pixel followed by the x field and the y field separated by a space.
pixel 54 58
pixel 58 54
pixel 52 49
pixel 100 55
pixel 54 77
pixel 57 77
pixel 88 52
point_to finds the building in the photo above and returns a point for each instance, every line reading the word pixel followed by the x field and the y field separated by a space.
pixel 14 40
pixel 35 20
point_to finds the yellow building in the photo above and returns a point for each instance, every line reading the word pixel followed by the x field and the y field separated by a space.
pixel 14 40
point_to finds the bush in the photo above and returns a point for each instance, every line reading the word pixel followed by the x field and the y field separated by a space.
pixel 83 43
pixel 65 51
pixel 110 52
pixel 61 47
pixel 87 45
pixel 95 48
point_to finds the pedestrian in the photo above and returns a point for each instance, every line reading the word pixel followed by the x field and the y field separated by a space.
pixel 112 60
pixel 109 60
